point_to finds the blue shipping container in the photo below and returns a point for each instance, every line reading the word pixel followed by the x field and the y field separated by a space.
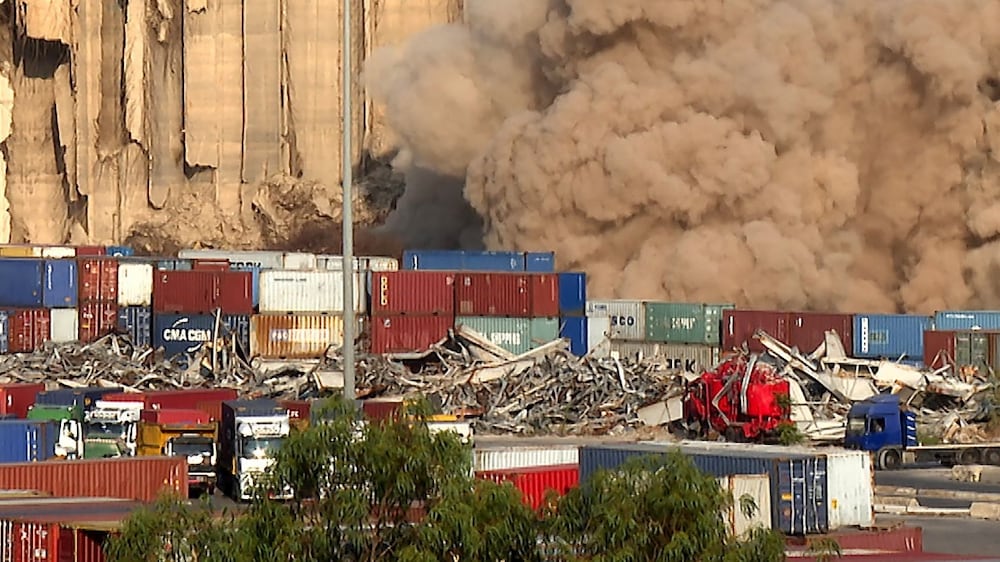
pixel 27 440
pixel 119 251
pixel 967 320
pixel 798 481
pixel 4 331
pixel 69 397
pixel 540 262
pixel 180 334
pixel 493 261
pixel 575 330
pixel 21 282
pixel 890 336
pixel 573 294
pixel 446 260
pixel 59 290
pixel 137 322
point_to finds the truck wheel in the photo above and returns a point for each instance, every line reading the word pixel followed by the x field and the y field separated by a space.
pixel 969 456
pixel 992 456
pixel 889 459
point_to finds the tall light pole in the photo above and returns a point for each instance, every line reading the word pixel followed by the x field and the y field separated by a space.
pixel 347 214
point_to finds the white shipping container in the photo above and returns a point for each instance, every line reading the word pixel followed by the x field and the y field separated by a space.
pixel 754 486
pixel 283 291
pixel 57 252
pixel 691 358
pixel 298 260
pixel 336 263
pixel 63 325
pixel 628 318
pixel 381 263
pixel 237 258
pixel 850 487
pixel 135 284
pixel 598 330
pixel 504 458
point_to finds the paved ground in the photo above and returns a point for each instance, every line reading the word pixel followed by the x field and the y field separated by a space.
pixel 951 535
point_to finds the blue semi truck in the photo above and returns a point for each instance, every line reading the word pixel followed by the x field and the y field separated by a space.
pixel 886 429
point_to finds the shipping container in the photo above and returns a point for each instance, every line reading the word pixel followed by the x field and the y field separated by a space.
pixel 380 409
pixel 178 399
pixel 803 330
pixel 4 332
pixel 169 416
pixel 798 482
pixel 492 294
pixel 544 295
pixel 28 329
pixel 598 341
pixel 540 262
pixel 298 260
pixel 418 293
pixel 21 282
pixel 332 262
pixel 686 357
pixel 253 258
pixel 535 484
pixel 807 330
pixel 98 279
pixel 135 284
pixel 137 323
pixel 473 260
pixel 543 331
pixel 201 292
pixel 86 251
pixel 254 272
pixel 134 478
pixel 16 398
pixel 680 322
pixel 890 336
pixel 173 264
pixel 967 320
pixel 512 334
pixel 180 334
pixel 120 251
pixel 27 440
pixel 298 336
pixel 210 265
pixel 446 260
pixel 572 294
pixel 405 334
pixel 97 319
pixel 299 412
pixel 58 252
pixel 72 397
pixel 574 329
pixel 850 488
pixel 459 260
pixel 211 407
pixel 59 290
pixel 628 318
pixel 964 349
pixel 756 486
pixel 20 251
pixel 380 263
pixel 64 325
pixel 23 540
pixel 489 458
pixel 283 291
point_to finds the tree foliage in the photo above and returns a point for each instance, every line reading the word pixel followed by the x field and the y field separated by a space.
pixel 397 491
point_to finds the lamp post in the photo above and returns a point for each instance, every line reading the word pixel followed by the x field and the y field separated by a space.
pixel 347 213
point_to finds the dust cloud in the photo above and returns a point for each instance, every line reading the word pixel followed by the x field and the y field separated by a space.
pixel 799 154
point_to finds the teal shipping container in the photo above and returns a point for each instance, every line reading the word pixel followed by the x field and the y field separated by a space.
pixel 681 322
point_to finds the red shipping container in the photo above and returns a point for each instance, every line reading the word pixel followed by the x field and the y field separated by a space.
pixel 97 319
pixel 410 292
pixel 211 407
pixel 174 416
pixel 202 292
pixel 78 545
pixel 380 409
pixel 210 265
pixel 738 327
pixel 34 541
pixel 939 348
pixel 98 279
pixel 136 478
pixel 297 409
pixel 180 399
pixel 16 398
pixel 82 251
pixel 535 482
pixel 544 295
pixel 28 329
pixel 492 294
pixel 404 334
pixel 807 330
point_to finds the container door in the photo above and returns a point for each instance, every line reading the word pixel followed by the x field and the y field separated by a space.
pixel 963 349
pixel 6 541
pixel 802 496
pixel 979 352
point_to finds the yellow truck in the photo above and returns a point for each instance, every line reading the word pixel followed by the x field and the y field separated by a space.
pixel 187 433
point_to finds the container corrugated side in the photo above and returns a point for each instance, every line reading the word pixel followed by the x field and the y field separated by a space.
pixel 298 260
pixel 967 320
pixel 137 322
pixel 574 329
pixel 535 484
pixel 403 334
pixel 543 331
pixel 412 292
pixel 512 334
pixel 850 488
pixel 120 251
pixel 755 486
pixel 544 295
pixel 683 357
pixel 27 440
pixel 64 325
pixel 29 329
pixel 572 293
pixel 135 284
pixel 59 289
pixel 492 294
pixel 679 322
pixel 58 252
pixel 296 336
pixel 380 263
pixel 738 327
pixel 20 251
pixel 540 262
pixel 139 478
pixel 198 292
pixel 21 282
pixel 628 317
pixel 98 279
pixel 890 336
pixel 598 330
pixel 473 260
pixel 807 330
pixel 286 291
pixel 180 334
pixel 506 458
pixel 17 398
pixel 447 260
pixel 939 348
pixel 97 319
pixel 260 259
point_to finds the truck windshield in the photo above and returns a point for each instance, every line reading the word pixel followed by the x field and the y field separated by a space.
pixel 856 425
pixel 191 448
pixel 109 430
pixel 261 448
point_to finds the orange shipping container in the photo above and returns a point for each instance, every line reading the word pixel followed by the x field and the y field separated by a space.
pixel 296 336
pixel 138 478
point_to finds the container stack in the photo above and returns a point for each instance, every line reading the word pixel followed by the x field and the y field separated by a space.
pixel 573 324
pixel 804 330
pixel 21 296
pixel 410 310
pixel 98 308
pixel 135 300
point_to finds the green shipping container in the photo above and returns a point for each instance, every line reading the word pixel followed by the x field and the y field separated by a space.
pixel 681 322
pixel 516 335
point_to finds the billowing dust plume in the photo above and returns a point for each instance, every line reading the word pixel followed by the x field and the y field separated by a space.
pixel 796 154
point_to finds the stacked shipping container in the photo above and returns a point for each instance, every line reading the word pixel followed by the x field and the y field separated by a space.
pixel 410 310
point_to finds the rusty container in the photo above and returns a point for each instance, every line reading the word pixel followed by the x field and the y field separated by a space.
pixel 135 478
pixel 98 279
pixel 412 293
pixel 403 334
pixel 28 329
pixel 493 294
pixel 97 319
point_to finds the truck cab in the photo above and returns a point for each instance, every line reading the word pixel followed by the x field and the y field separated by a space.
pixel 879 423
pixel 250 433
pixel 109 429
pixel 69 443
pixel 182 433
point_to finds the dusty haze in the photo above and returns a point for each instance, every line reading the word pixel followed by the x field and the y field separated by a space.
pixel 807 154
